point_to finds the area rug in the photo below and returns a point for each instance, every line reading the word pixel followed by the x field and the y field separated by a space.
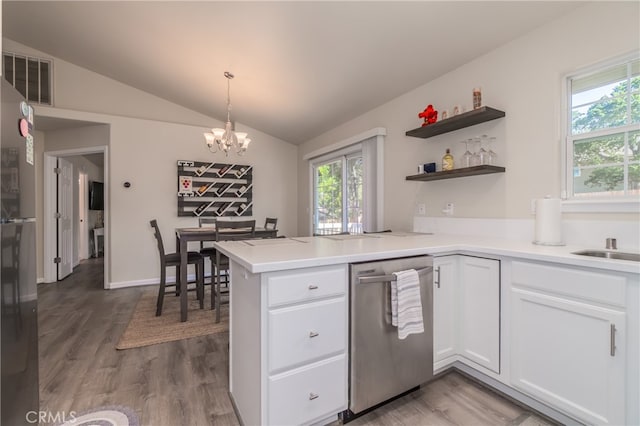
pixel 145 328
pixel 116 415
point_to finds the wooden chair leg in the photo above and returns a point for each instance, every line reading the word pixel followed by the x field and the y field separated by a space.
pixel 178 281
pixel 200 282
pixel 218 286
pixel 214 278
pixel 163 279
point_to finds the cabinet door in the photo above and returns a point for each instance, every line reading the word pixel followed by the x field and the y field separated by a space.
pixel 570 355
pixel 479 311
pixel 309 394
pixel 444 308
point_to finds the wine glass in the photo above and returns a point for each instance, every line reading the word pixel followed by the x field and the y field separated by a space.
pixel 482 153
pixel 491 155
pixel 475 157
pixel 467 156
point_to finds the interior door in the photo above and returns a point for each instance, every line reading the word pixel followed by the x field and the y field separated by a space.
pixel 65 218
pixel 83 228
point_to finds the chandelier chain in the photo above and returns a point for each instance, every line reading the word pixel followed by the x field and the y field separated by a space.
pixel 227 138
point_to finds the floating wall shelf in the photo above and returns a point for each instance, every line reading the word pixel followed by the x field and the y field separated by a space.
pixel 456 173
pixel 456 122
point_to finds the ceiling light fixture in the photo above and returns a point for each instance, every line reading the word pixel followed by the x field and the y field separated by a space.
pixel 227 138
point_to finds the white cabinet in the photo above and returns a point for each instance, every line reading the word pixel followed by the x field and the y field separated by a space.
pixel 466 312
pixel 308 394
pixel 445 270
pixel 304 333
pixel 288 345
pixel 569 351
pixel 479 311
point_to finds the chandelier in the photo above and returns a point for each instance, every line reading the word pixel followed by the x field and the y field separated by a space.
pixel 226 139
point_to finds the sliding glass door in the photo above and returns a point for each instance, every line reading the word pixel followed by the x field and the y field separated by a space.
pixel 337 190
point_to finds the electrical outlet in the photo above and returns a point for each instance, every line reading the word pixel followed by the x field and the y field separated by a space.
pixel 448 209
pixel 422 209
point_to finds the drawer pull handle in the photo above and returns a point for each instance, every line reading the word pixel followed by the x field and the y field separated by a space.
pixel 313 334
pixel 612 343
pixel 313 396
pixel 313 287
pixel 437 280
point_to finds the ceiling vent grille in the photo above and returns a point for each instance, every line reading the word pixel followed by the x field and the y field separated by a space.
pixel 32 77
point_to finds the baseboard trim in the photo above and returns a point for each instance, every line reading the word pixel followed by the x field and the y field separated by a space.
pixel 145 282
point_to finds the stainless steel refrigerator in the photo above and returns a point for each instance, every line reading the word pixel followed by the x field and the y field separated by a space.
pixel 19 314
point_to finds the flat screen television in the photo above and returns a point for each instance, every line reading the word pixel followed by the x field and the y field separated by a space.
pixel 96 196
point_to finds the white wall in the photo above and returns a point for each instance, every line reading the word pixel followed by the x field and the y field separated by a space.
pixel 145 153
pixel 79 89
pixel 146 136
pixel 523 78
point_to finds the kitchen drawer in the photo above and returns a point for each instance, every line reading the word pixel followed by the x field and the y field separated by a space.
pixel 308 394
pixel 306 333
pixel 307 284
pixel 583 284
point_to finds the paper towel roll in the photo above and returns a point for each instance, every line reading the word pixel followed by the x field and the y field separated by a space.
pixel 548 221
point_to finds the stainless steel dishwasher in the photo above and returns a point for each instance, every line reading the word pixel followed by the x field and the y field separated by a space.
pixel 382 366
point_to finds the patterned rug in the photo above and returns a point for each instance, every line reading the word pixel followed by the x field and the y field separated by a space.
pixel 104 416
pixel 145 328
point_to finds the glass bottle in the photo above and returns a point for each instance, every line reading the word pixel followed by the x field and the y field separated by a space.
pixel 477 98
pixel 447 161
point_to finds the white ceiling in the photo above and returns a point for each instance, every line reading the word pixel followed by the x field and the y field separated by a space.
pixel 301 68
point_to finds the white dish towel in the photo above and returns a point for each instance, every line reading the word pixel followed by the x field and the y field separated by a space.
pixel 406 305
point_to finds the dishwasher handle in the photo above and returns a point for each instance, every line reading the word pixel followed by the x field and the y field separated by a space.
pixel 390 277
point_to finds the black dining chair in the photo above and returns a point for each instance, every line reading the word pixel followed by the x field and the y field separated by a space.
pixel 271 223
pixel 173 259
pixel 225 231
pixel 206 248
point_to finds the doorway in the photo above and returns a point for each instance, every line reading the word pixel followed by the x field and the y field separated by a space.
pixel 81 229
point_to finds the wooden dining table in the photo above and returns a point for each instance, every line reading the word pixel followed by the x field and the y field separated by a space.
pixel 205 233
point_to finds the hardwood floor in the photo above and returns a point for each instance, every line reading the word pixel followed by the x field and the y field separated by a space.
pixel 452 399
pixel 186 382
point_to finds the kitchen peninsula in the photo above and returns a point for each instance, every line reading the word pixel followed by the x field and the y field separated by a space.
pixel 551 309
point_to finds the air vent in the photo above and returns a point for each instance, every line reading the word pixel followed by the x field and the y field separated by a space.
pixel 32 77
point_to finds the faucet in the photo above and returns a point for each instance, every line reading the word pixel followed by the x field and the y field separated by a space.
pixel 611 244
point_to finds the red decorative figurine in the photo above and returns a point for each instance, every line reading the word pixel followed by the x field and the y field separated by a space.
pixel 429 114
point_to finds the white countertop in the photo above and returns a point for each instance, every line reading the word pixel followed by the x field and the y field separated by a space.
pixel 279 254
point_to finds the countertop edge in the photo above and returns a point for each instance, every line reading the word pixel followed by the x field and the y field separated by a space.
pixel 500 248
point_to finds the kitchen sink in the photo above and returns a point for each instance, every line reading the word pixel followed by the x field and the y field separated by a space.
pixel 635 257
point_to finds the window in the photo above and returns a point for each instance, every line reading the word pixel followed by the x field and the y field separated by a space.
pixel 346 181
pixel 338 203
pixel 30 76
pixel 603 133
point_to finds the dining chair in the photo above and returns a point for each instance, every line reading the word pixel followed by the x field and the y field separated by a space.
pixel 206 222
pixel 225 231
pixel 206 249
pixel 271 223
pixel 173 259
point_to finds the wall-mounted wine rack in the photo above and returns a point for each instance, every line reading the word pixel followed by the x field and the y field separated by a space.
pixel 214 189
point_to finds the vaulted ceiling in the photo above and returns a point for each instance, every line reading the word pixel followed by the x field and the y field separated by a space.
pixel 301 68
